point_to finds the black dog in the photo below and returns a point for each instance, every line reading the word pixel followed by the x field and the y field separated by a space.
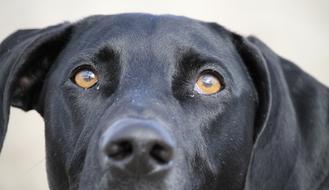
pixel 147 102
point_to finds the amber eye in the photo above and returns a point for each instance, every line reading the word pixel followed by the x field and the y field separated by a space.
pixel 208 83
pixel 85 78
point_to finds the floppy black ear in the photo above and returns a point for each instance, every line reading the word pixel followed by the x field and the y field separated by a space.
pixel 25 58
pixel 291 149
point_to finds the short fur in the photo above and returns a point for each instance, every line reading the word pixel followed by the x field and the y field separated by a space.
pixel 267 129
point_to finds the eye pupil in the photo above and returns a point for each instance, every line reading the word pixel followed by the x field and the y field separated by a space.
pixel 208 80
pixel 87 75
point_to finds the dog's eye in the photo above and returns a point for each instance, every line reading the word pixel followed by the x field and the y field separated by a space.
pixel 208 83
pixel 85 78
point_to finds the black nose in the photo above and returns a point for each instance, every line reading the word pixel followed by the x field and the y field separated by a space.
pixel 137 146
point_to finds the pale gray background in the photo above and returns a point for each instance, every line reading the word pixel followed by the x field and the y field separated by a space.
pixel 296 29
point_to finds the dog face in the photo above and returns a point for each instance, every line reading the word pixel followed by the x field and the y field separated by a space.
pixel 155 102
pixel 147 70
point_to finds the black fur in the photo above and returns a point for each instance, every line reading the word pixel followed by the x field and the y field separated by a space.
pixel 267 129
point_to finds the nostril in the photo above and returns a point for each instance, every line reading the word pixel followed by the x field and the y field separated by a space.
pixel 136 147
pixel 161 153
pixel 119 150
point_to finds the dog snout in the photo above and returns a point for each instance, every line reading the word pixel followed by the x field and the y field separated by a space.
pixel 137 146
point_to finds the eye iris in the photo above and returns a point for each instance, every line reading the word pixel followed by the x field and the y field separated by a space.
pixel 207 84
pixel 208 81
pixel 85 79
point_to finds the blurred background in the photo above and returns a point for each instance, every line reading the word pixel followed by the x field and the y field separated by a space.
pixel 296 29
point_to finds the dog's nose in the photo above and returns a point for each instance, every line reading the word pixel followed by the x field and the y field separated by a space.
pixel 137 146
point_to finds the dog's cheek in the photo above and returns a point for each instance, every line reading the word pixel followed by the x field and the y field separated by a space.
pixel 69 124
pixel 229 143
pixel 91 174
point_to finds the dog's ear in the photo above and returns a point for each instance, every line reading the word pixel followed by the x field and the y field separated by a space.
pixel 291 148
pixel 25 58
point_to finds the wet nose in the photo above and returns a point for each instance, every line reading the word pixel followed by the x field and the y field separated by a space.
pixel 137 146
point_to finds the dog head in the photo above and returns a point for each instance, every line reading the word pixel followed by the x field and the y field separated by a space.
pixel 139 101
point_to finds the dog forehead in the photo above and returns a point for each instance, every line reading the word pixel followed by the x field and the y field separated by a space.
pixel 145 43
pixel 126 31
pixel 125 24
